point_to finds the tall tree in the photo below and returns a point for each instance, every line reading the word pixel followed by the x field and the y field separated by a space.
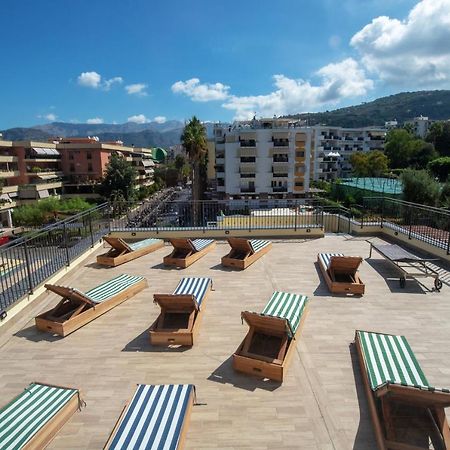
pixel 194 143
pixel 120 179
pixel 420 187
pixel 439 136
pixel 371 164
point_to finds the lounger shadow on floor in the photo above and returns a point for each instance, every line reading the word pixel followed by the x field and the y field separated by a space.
pixel 391 278
pixel 222 268
pixel 34 335
pixel 141 344
pixel 365 438
pixel 95 265
pixel 161 266
pixel 225 374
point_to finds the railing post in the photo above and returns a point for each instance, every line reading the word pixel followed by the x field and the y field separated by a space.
pixel 349 222
pixel 448 243
pixel 339 221
pixel 410 224
pixel 203 216
pixel 66 244
pixel 90 229
pixel 296 214
pixel 27 263
pixel 382 211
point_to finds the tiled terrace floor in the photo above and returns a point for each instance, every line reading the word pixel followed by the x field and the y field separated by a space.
pixel 321 404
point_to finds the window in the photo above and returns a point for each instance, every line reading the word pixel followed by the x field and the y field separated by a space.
pixel 89 155
pixel 71 156
pixel 299 183
pixel 72 167
pixel 90 167
pixel 300 154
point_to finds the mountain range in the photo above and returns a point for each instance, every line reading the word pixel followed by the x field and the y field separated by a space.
pixel 151 134
pixel 403 106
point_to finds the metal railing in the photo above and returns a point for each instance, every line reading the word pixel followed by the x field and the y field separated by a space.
pixel 29 261
pixel 218 215
pixel 424 223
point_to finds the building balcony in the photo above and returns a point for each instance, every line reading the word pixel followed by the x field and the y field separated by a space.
pixel 247 167
pixel 220 174
pixel 220 161
pixel 280 167
pixel 220 188
pixel 8 159
pixel 277 176
pixel 9 173
pixel 279 151
pixel 247 144
pixel 247 190
pixel 279 189
pixel 246 152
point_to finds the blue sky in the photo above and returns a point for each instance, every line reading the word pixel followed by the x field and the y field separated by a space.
pixel 136 60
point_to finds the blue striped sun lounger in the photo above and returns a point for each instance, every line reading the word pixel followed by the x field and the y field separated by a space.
pixel 154 419
pixel 286 306
pixel 26 416
pixel 200 244
pixel 258 244
pixel 197 287
pixel 110 288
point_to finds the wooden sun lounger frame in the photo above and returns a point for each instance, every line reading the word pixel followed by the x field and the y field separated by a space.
pixel 120 253
pixel 183 430
pixel 174 303
pixel 47 433
pixel 241 254
pixel 347 265
pixel 388 394
pixel 261 366
pixel 75 310
pixel 184 253
pixel 405 266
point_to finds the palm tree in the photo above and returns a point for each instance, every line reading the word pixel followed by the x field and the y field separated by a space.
pixel 194 143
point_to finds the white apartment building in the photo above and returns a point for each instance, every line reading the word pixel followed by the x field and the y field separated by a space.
pixel 421 125
pixel 277 158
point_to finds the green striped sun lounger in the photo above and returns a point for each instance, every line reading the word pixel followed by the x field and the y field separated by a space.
pixel 122 252
pixel 156 418
pixel 33 418
pixel 269 344
pixel 393 377
pixel 245 252
pixel 286 306
pixel 78 308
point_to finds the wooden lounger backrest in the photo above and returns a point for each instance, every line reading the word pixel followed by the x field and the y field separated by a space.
pixel 272 325
pixel 184 244
pixel 183 302
pixel 240 244
pixel 117 243
pixel 69 293
pixel 412 395
pixel 345 264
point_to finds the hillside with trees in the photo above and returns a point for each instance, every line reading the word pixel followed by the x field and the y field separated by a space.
pixel 403 106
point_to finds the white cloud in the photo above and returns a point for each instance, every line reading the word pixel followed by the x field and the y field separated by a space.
pixel 160 119
pixel 338 81
pixel 201 92
pixel 89 79
pixel 108 83
pixel 50 117
pixel 138 118
pixel 137 89
pixel 94 80
pixel 413 52
pixel 95 121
